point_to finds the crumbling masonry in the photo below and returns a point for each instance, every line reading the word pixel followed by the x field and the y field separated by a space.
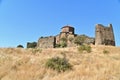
pixel 103 36
pixel 51 41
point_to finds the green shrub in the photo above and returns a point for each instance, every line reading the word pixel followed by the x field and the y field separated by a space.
pixel 63 39
pixel 20 46
pixel 79 40
pixel 58 64
pixel 105 51
pixel 34 51
pixel 57 45
pixel 63 44
pixel 84 48
pixel 31 45
pixel 71 39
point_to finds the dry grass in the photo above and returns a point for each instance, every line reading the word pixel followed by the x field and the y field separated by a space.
pixel 25 64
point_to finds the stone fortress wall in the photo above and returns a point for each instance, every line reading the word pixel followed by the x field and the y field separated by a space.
pixel 103 36
pixel 51 41
pixel 46 42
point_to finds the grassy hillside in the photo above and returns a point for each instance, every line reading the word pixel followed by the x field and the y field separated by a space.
pixel 103 63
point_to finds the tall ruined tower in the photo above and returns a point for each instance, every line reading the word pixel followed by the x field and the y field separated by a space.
pixel 104 35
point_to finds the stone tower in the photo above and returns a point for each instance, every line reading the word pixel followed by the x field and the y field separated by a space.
pixel 68 29
pixel 67 32
pixel 104 35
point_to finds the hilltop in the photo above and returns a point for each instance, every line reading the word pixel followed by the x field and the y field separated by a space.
pixel 29 64
pixel 67 37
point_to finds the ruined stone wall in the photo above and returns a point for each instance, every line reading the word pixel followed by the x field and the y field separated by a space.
pixel 104 35
pixel 68 36
pixel 57 39
pixel 46 42
pixel 70 40
pixel 60 36
pixel 50 42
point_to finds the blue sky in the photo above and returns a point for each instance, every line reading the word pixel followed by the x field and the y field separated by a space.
pixel 23 21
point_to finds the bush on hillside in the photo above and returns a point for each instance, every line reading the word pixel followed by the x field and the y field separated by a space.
pixel 31 45
pixel 63 44
pixel 80 40
pixel 71 39
pixel 57 45
pixel 20 46
pixel 105 51
pixel 84 48
pixel 58 64
pixel 34 51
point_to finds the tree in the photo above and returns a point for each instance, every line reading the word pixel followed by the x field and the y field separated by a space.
pixel 31 45
pixel 79 40
pixel 20 46
pixel 71 39
pixel 63 42
pixel 63 39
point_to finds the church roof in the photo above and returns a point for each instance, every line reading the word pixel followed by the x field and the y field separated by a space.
pixel 67 26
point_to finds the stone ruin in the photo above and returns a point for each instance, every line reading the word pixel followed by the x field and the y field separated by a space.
pixel 104 35
pixel 51 41
pixel 46 42
pixel 68 33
